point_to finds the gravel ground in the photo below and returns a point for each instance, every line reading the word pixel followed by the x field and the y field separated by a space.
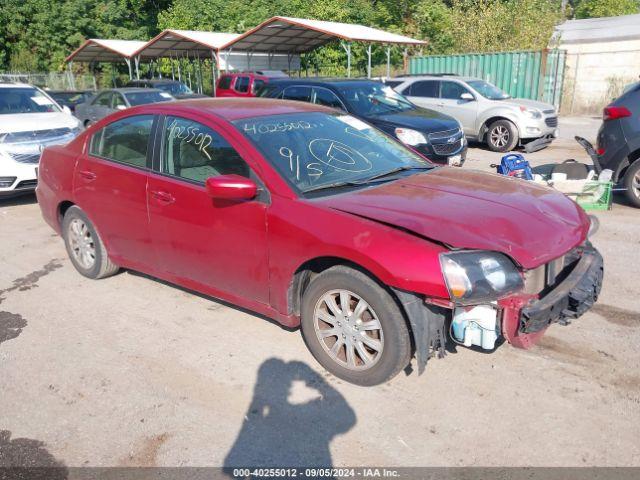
pixel 132 371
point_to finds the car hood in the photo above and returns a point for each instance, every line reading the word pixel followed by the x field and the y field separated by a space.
pixel 474 210
pixel 421 119
pixel 517 102
pixel 23 122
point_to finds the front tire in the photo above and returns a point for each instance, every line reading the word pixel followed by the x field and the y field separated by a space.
pixel 631 182
pixel 354 328
pixel 502 136
pixel 85 247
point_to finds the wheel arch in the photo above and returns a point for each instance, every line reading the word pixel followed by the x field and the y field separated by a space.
pixel 484 128
pixel 314 266
pixel 62 209
pixel 632 158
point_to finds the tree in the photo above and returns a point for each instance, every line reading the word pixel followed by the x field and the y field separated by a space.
pixel 606 8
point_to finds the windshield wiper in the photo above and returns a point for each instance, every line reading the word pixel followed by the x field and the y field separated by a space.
pixel 394 171
pixel 333 185
pixel 366 181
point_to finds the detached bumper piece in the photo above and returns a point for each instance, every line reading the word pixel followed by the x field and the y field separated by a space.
pixel 538 144
pixel 570 299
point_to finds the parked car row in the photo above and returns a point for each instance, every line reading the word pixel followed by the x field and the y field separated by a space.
pixel 316 218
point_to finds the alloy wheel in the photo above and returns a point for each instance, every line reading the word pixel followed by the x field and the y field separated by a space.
pixel 82 245
pixel 499 136
pixel 635 184
pixel 348 330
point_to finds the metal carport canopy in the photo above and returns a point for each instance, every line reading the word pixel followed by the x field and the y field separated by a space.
pixel 192 44
pixel 101 50
pixel 299 35
pixel 177 43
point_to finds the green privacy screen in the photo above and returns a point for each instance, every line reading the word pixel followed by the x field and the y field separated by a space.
pixel 536 75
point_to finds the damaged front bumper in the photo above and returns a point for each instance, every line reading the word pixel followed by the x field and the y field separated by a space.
pixel 524 317
pixel 570 299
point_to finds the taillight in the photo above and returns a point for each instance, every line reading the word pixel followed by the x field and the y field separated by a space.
pixel 612 112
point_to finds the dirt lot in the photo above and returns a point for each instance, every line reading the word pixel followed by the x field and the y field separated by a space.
pixel 132 371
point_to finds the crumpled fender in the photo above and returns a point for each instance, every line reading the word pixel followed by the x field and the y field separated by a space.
pixel 427 326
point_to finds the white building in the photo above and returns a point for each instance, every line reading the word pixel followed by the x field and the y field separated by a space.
pixel 603 55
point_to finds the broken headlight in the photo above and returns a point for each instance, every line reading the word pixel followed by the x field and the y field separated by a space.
pixel 478 276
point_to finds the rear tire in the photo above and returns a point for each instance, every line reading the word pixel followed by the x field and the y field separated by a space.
pixel 502 136
pixel 631 182
pixel 85 247
pixel 366 345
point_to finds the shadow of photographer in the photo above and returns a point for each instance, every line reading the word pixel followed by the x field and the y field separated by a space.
pixel 291 421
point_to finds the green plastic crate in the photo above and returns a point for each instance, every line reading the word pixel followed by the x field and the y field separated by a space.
pixel 595 195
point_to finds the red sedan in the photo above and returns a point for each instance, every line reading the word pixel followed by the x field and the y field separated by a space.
pixel 316 219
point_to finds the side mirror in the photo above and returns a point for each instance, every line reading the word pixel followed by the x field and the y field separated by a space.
pixel 121 107
pixel 467 97
pixel 231 187
pixel 66 110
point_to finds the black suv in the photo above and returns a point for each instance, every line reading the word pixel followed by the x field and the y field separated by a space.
pixel 437 136
pixel 618 145
pixel 175 88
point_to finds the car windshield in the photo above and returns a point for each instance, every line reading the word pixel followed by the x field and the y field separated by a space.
pixel 488 90
pixel 25 100
pixel 374 99
pixel 321 151
pixel 174 88
pixel 142 97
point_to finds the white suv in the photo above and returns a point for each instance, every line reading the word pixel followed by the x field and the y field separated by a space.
pixel 486 113
pixel 29 121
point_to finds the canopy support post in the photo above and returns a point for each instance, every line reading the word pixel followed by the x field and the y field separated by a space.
pixel 369 61
pixel 128 60
pixel 136 60
pixel 405 61
pixel 214 67
pixel 72 80
pixel 347 48
pixel 388 61
pixel 226 59
pixel 200 87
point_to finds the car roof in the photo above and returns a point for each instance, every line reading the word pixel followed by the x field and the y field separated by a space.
pixel 132 90
pixel 230 108
pixel 14 85
pixel 322 81
pixel 154 80
pixel 435 76
pixel 68 91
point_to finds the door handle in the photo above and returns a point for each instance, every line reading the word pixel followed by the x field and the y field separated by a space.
pixel 163 197
pixel 87 175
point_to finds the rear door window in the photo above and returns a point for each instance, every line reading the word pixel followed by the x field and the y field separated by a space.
pixel 424 88
pixel 242 84
pixel 124 141
pixel 300 93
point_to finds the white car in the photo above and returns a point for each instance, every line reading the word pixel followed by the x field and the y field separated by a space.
pixel 29 121
pixel 487 114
